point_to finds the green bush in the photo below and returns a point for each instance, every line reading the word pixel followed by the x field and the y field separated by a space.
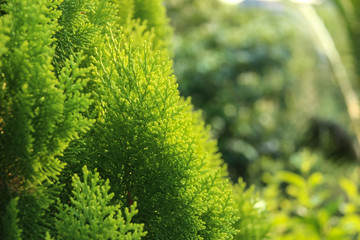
pixel 91 83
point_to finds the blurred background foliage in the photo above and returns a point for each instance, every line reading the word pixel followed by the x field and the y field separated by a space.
pixel 263 79
pixel 311 200
pixel 278 81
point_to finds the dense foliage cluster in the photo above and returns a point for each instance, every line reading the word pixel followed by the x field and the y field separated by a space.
pixel 91 203
pixel 91 83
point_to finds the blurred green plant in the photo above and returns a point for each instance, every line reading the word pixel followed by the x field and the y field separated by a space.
pixel 313 200
pixel 253 220
pixel 350 11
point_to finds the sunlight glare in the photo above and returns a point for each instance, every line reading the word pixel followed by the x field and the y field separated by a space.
pixel 232 1
pixel 307 1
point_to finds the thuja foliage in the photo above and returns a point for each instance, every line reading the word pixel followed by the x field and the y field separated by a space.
pixel 91 83
pixel 152 145
pixel 40 113
pixel 90 204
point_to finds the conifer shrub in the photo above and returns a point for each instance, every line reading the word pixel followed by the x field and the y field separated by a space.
pixel 91 83
pixel 40 113
pixel 148 143
pixel 90 204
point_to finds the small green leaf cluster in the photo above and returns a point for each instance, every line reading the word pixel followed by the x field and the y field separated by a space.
pixel 91 204
pixel 307 203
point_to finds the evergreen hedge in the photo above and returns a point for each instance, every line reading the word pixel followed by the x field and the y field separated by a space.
pixel 91 83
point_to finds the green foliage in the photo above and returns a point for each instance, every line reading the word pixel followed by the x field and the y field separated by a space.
pixel 90 215
pixel 125 10
pixel 11 221
pixel 149 136
pixel 27 120
pixel 87 82
pixel 154 14
pixel 310 204
pixel 350 12
pixel 82 24
pixel 5 23
pixel 257 75
pixel 230 62
pixel 253 222
pixel 40 113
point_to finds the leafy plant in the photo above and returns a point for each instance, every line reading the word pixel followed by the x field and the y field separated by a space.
pixel 308 204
